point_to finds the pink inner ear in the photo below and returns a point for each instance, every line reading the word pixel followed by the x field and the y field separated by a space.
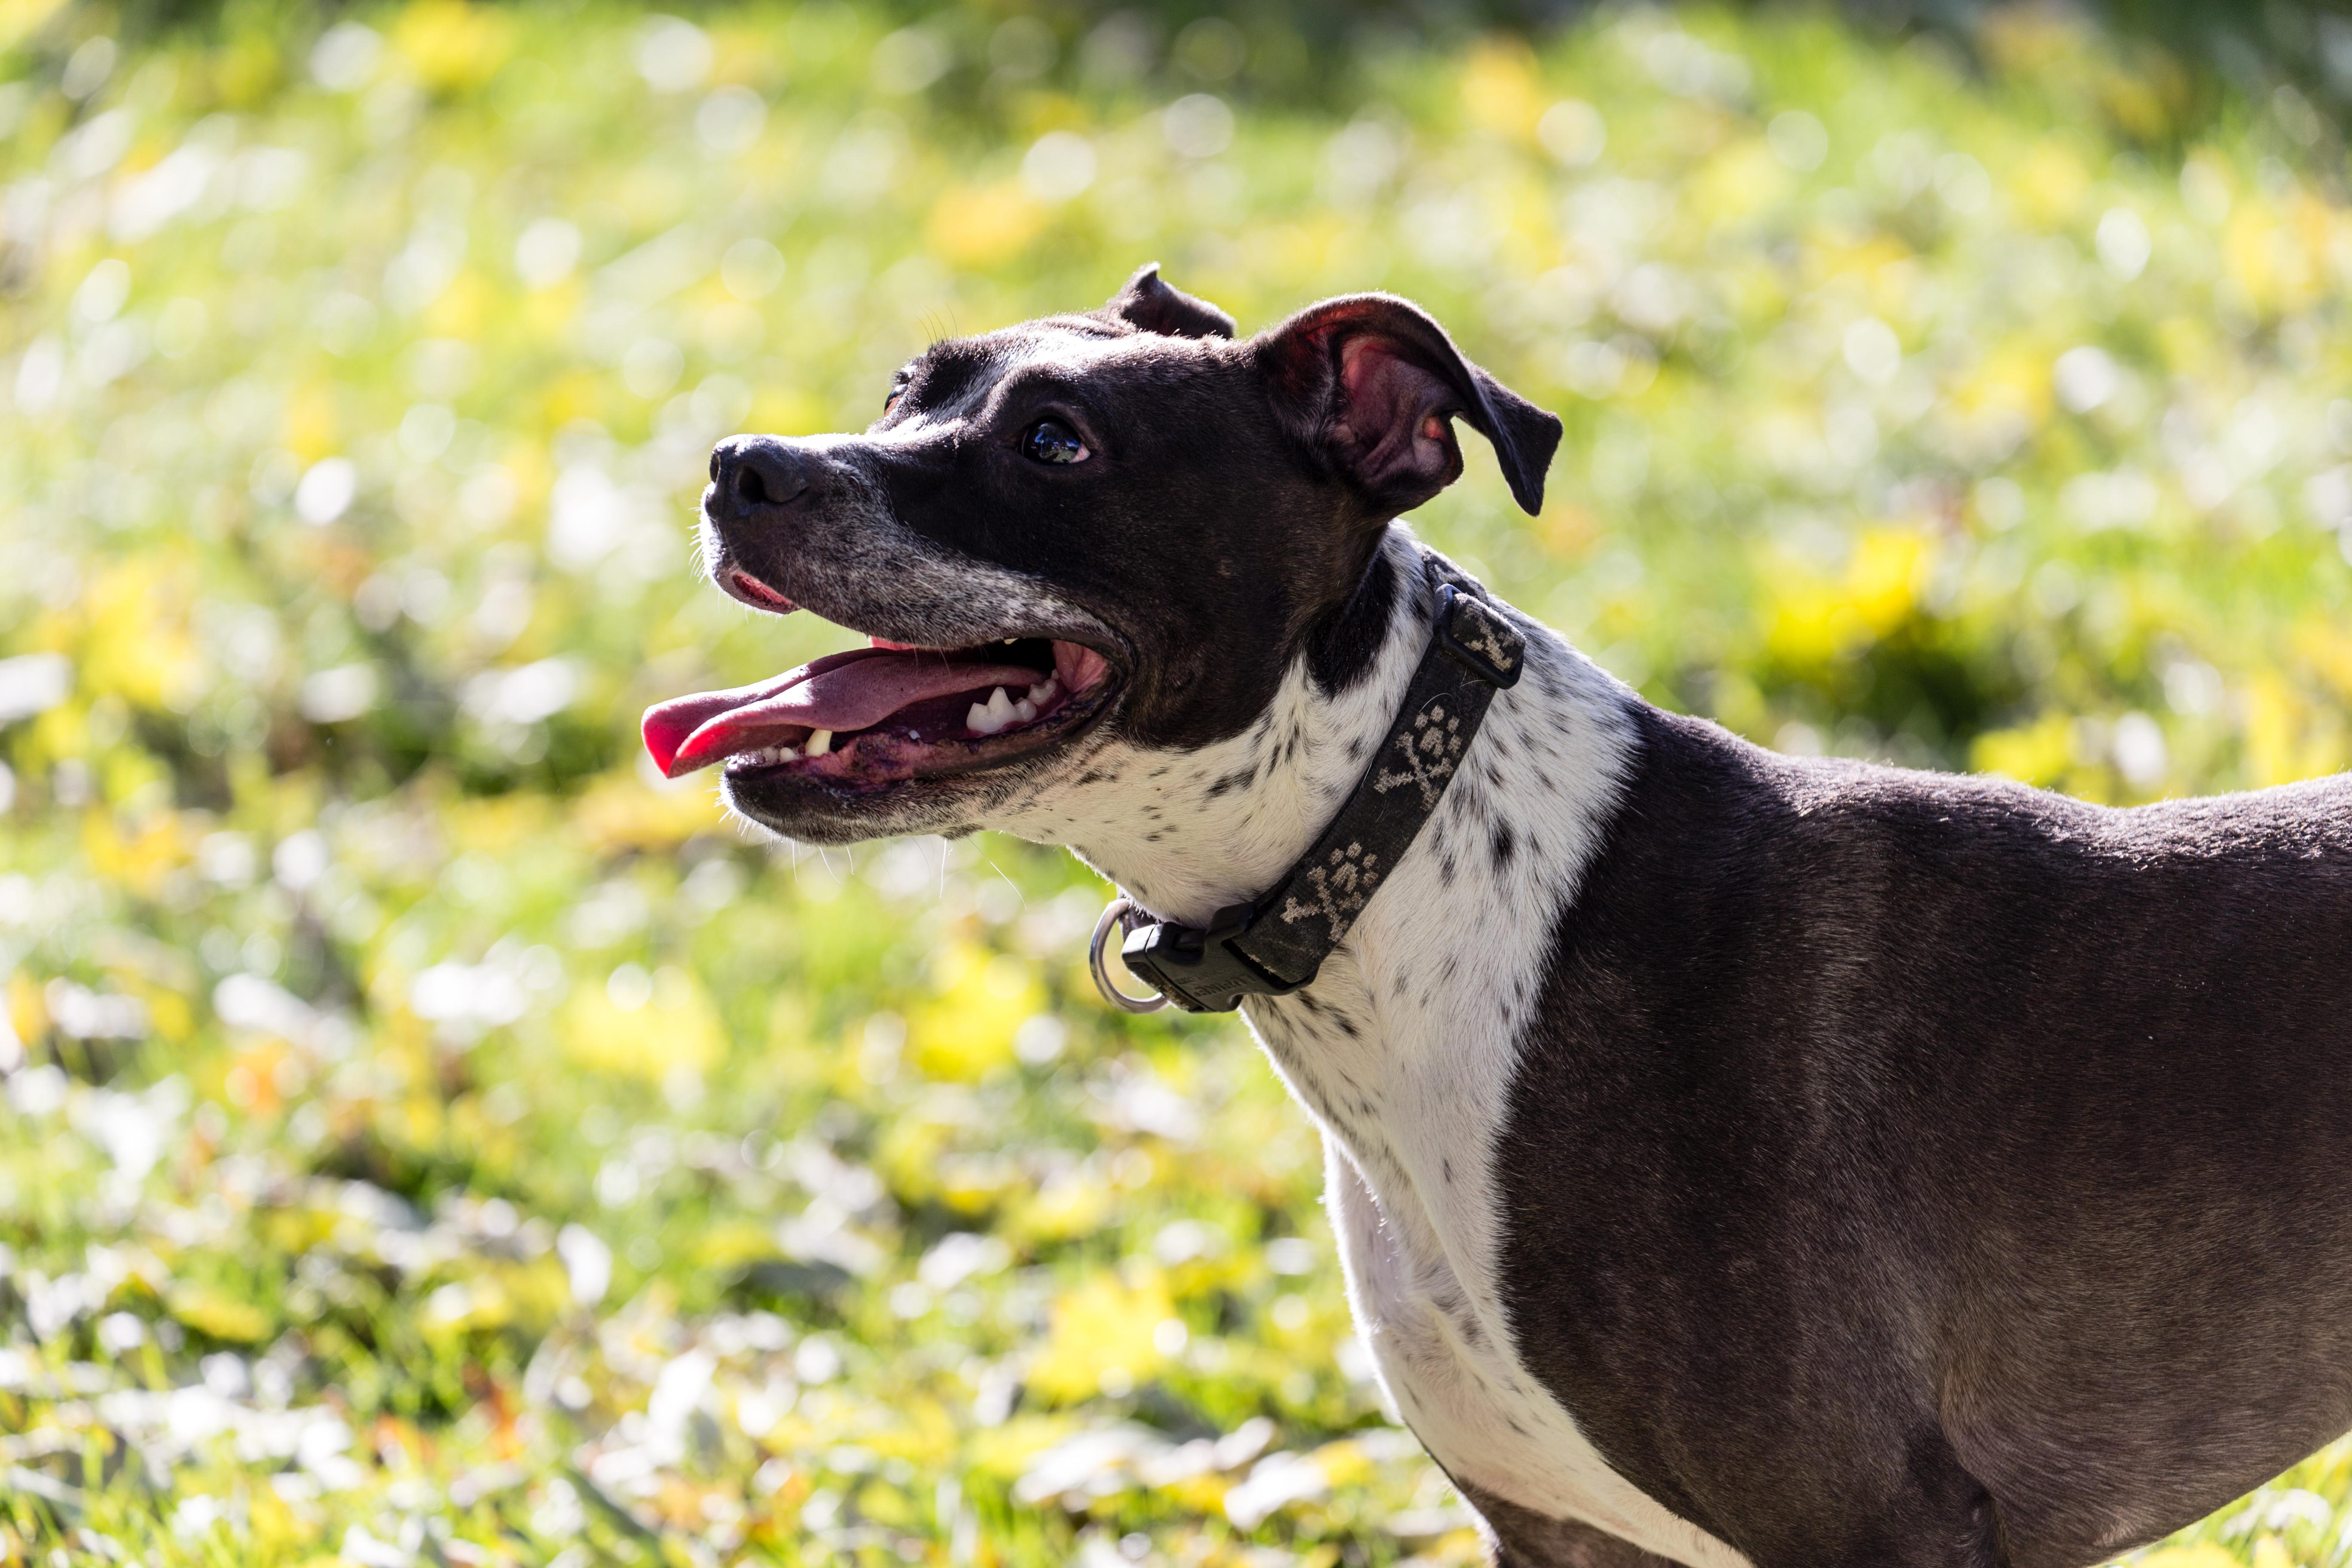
pixel 1392 418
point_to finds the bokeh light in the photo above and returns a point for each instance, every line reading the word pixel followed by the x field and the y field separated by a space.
pixel 428 1136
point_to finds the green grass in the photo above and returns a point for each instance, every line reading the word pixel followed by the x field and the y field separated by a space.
pixel 427 1138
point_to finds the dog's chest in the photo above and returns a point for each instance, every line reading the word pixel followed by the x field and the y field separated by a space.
pixel 1404 1049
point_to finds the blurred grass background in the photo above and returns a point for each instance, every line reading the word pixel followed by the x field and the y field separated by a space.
pixel 428 1138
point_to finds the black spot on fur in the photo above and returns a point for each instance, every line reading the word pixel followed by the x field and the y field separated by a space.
pixel 1239 779
pixel 1502 844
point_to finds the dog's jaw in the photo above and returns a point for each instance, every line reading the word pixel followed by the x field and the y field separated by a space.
pixel 858 564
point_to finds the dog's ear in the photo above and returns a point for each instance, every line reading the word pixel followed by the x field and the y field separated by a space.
pixel 1150 304
pixel 1374 382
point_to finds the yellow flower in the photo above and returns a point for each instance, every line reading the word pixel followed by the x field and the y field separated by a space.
pixel 609 1028
pixel 1102 1336
pixel 984 226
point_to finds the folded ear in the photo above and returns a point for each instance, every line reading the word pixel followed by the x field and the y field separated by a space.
pixel 1372 382
pixel 1153 306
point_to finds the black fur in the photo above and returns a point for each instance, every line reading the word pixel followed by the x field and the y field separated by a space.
pixel 1907 1169
pixel 1523 1538
pixel 1149 303
pixel 1351 638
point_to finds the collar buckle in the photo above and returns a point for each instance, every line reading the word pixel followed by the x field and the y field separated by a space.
pixel 1199 969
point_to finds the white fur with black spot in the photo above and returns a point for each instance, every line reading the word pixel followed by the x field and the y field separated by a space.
pixel 1404 1048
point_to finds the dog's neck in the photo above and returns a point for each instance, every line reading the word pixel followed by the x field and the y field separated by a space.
pixel 1188 833
pixel 1403 1048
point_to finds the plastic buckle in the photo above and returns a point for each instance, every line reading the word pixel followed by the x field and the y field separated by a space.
pixel 1478 639
pixel 1196 968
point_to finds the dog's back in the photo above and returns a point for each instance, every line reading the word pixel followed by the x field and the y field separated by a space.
pixel 2038 1112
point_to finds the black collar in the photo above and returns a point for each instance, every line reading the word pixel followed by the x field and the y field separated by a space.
pixel 1275 943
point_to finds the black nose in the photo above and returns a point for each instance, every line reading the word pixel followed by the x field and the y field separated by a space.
pixel 757 471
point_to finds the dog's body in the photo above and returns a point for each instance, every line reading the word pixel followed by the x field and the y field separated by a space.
pixel 1771 1162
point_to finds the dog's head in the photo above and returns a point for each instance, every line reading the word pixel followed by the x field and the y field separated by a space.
pixel 1120 526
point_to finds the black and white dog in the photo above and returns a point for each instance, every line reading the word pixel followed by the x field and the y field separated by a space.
pixel 1737 1159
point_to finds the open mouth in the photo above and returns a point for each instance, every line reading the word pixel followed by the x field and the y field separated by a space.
pixel 886 713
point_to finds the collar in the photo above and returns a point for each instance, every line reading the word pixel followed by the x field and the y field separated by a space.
pixel 1275 943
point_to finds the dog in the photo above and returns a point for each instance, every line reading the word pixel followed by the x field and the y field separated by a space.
pixel 1736 1159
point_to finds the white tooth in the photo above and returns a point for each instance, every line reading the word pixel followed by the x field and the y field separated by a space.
pixel 1042 692
pixel 997 713
pixel 1025 710
pixel 819 743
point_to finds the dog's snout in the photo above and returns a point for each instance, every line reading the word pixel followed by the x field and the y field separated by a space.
pixel 750 471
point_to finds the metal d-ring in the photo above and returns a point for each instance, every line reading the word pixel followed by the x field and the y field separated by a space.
pixel 1111 916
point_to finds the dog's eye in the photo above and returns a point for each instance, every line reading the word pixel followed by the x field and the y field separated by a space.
pixel 1053 441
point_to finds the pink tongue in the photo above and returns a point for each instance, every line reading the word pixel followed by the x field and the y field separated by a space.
pixel 840 692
